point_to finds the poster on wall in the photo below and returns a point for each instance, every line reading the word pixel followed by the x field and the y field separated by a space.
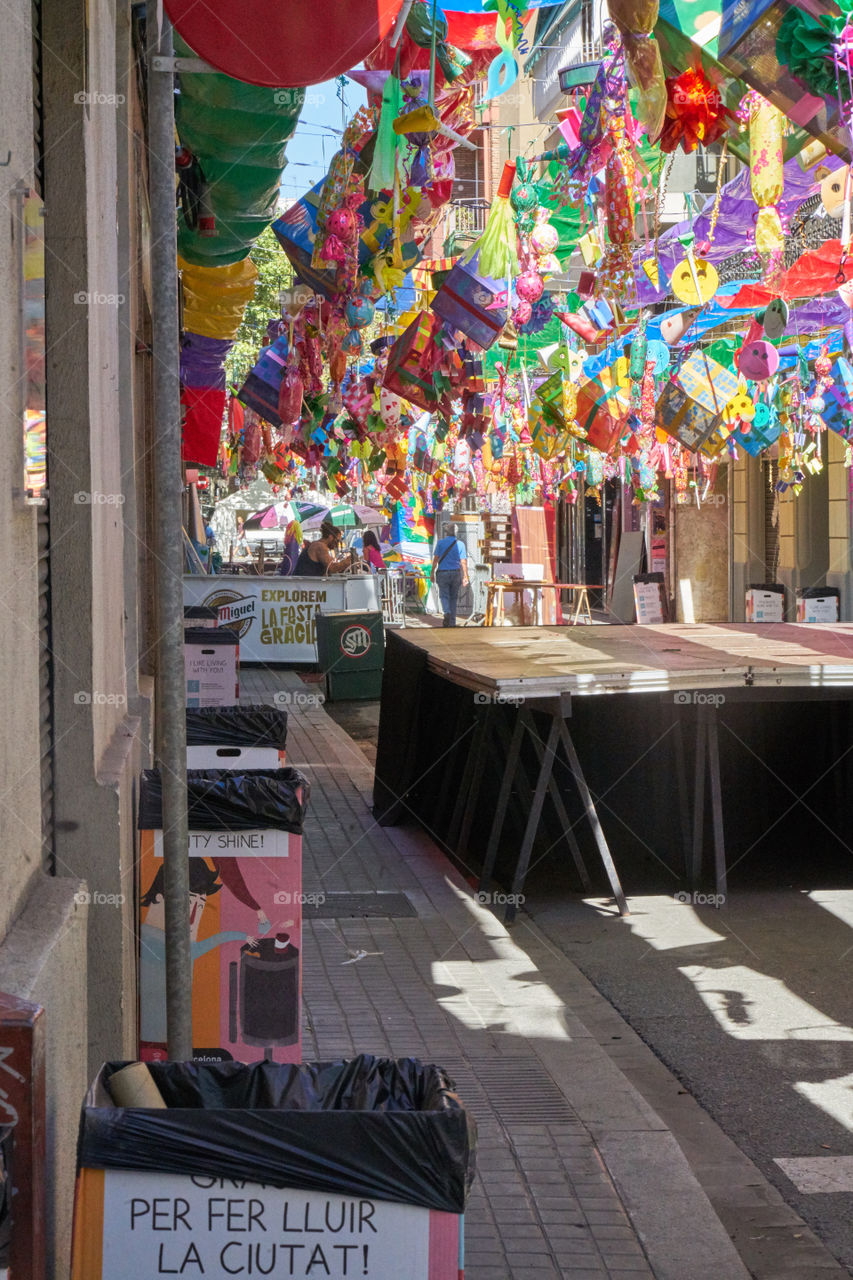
pixel 246 938
pixel 138 1225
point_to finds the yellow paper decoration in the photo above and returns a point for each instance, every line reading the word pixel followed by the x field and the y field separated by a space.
pixel 216 297
pixel 766 171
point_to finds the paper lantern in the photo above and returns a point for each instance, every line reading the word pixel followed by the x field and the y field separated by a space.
pixel 299 43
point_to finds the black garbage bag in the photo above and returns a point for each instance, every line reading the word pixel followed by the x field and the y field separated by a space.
pixel 231 800
pixel 209 636
pixel 257 726
pixel 388 1129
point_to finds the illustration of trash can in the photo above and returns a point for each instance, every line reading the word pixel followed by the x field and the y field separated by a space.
pixel 236 737
pixel 245 905
pixel 355 1168
pixel 264 993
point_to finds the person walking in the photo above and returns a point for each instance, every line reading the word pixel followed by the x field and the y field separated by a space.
pixel 450 572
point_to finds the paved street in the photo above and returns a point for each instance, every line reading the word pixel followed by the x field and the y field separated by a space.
pixel 751 1007
pixel 579 1173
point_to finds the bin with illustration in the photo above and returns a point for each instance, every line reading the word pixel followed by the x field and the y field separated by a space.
pixel 253 737
pixel 350 1169
pixel 245 852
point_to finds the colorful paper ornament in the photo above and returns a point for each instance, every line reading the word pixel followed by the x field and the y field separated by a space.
pixel 635 20
pixel 758 361
pixel 775 318
pixel 497 248
pixel 766 124
pixel 694 112
pixel 674 327
pixel 834 191
pixel 529 286
pixel 694 281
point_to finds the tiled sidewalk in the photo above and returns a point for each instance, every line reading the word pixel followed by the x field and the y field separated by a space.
pixel 448 984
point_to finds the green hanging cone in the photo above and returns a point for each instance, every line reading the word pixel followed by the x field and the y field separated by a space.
pixel 381 176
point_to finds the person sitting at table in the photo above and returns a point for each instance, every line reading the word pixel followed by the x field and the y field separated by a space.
pixel 316 559
pixel 371 552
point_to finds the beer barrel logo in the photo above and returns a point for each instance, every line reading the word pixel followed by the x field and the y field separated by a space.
pixel 236 612
pixel 355 641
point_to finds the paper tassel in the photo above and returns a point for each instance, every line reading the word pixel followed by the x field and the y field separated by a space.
pixel 497 246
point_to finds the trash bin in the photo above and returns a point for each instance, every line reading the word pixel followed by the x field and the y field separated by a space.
pixel 818 604
pixel 351 653
pixel 211 665
pixel 199 616
pixel 344 1169
pixel 245 847
pixel 765 602
pixel 236 737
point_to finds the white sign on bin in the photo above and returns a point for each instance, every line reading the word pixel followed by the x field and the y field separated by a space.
pixel 765 606
pixel 817 609
pixel 227 757
pixel 162 1224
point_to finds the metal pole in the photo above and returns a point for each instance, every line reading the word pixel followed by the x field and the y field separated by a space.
pixel 171 735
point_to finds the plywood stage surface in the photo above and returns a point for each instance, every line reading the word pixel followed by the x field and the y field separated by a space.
pixel 543 661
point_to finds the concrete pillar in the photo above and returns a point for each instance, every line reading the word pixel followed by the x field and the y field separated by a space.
pixel 838 492
pixel 702 556
pixel 804 539
pixel 97 749
pixel 747 531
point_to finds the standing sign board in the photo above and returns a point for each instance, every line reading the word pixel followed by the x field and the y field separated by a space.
pixel 649 600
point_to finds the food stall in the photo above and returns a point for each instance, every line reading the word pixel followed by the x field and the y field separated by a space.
pixel 273 615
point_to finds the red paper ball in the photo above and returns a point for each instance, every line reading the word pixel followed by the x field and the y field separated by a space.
pixel 341 223
pixel 529 286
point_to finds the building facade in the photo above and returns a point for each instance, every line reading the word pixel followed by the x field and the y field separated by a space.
pixel 75 685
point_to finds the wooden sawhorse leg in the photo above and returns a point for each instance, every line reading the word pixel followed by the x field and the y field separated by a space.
pixel 708 760
pixel 512 757
pixel 504 747
pixel 592 816
pixel 469 789
pixel 558 733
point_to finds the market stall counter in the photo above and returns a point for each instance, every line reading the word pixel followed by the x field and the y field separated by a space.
pixel 274 616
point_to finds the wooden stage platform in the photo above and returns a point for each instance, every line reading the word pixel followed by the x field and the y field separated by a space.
pixel 474 736
pixel 542 661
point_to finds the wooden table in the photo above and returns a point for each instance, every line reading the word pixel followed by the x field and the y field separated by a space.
pixel 495 591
